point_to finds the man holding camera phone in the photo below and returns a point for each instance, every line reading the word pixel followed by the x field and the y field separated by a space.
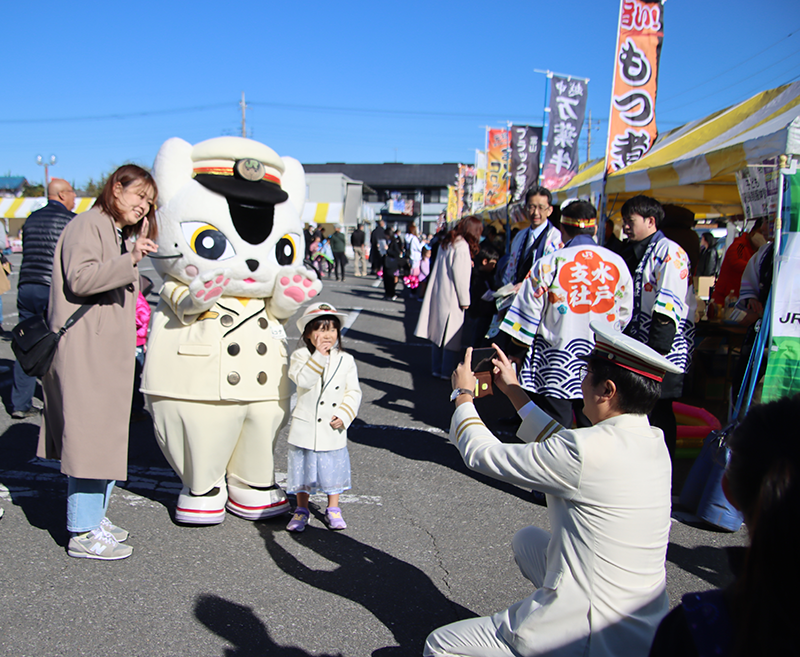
pixel 600 573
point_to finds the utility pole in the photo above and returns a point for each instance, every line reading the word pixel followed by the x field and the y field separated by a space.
pixel 243 105
pixel 589 128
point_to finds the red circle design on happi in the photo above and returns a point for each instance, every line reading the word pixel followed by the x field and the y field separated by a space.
pixel 590 283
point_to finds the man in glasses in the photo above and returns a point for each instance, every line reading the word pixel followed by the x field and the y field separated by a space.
pixel 599 574
pixel 535 241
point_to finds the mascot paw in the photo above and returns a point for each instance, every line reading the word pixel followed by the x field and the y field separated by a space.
pixel 208 287
pixel 294 286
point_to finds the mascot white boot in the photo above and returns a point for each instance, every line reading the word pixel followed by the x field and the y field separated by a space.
pixel 230 250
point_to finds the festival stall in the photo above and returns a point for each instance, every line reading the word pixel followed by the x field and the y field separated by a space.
pixel 695 165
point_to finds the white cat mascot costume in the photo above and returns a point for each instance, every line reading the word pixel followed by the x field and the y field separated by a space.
pixel 230 250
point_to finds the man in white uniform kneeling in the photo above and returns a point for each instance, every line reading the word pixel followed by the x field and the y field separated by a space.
pixel 600 575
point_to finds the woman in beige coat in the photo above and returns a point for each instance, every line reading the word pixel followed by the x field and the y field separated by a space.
pixel 447 295
pixel 87 392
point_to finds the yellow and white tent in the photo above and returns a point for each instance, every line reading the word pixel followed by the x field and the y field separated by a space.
pixel 695 165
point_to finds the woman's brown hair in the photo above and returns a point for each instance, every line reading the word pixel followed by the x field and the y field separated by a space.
pixel 127 175
pixel 470 228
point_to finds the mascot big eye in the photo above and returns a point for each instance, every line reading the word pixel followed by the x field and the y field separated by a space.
pixel 215 379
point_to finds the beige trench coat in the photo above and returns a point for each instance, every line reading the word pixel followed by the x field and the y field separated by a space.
pixel 441 317
pixel 87 392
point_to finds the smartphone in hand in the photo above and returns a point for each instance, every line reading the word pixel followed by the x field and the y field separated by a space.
pixel 482 359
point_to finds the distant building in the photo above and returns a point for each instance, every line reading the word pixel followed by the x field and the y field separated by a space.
pixel 12 186
pixel 334 198
pixel 399 193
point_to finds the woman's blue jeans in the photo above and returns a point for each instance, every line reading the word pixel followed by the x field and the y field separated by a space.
pixel 87 503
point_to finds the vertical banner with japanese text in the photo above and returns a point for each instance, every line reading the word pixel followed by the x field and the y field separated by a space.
pixel 567 109
pixel 496 194
pixel 526 142
pixel 632 123
pixel 479 190
pixel 466 183
pixel 452 203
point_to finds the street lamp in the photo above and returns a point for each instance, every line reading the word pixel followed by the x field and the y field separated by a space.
pixel 46 164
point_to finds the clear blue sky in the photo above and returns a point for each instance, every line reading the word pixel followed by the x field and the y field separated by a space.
pixel 101 83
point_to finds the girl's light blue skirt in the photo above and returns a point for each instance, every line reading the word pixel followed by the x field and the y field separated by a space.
pixel 318 472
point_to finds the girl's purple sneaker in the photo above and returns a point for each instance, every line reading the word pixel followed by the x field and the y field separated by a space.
pixel 333 516
pixel 299 520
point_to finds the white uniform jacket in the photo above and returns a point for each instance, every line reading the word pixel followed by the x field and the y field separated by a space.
pixel 566 291
pixel 608 499
pixel 326 386
pixel 552 242
pixel 236 351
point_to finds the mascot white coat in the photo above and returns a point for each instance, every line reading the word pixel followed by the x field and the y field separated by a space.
pixel 230 250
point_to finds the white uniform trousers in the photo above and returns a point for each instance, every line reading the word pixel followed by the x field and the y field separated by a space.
pixel 478 637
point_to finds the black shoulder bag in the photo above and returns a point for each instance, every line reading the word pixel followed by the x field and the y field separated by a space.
pixel 34 344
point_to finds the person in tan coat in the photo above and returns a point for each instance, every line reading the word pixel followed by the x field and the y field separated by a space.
pixel 447 295
pixel 88 390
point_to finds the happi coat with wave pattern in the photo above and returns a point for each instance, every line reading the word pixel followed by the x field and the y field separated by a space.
pixel 566 291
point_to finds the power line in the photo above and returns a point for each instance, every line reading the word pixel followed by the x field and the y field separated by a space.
pixel 361 110
pixel 739 81
pixel 127 115
pixel 735 66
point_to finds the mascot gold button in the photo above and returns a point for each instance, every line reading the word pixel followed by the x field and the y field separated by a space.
pixel 262 378
pixel 262 322
pixel 226 321
pixel 261 348
pixel 233 349
pixel 234 378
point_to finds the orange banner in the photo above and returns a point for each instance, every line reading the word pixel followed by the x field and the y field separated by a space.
pixel 497 156
pixel 632 125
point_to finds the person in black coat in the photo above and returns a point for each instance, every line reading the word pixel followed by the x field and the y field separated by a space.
pixel 40 234
pixel 708 265
pixel 378 243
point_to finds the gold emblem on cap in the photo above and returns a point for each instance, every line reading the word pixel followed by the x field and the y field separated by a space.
pixel 250 169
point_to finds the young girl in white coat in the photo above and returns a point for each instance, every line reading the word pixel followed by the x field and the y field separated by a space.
pixel 328 397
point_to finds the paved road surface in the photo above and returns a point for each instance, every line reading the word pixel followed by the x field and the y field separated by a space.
pixel 428 542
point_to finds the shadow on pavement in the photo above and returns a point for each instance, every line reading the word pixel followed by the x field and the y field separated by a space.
pixel 399 595
pixel 239 626
pixel 707 562
pixel 40 490
pixel 419 445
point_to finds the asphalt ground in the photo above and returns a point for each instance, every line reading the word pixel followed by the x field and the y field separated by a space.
pixel 427 543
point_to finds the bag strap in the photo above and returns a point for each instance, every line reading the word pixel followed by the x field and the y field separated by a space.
pixel 74 317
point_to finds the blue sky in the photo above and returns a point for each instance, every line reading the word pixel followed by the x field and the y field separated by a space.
pixel 102 83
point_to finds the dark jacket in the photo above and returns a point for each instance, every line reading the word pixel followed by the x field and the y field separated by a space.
pixel 40 234
pixel 357 238
pixel 338 243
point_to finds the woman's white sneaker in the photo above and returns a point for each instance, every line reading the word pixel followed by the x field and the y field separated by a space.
pixel 117 532
pixel 98 544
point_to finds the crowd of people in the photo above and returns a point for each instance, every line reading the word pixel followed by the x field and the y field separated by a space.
pixel 591 344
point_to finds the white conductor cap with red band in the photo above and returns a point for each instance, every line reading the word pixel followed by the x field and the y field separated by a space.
pixel 625 351
pixel 225 156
